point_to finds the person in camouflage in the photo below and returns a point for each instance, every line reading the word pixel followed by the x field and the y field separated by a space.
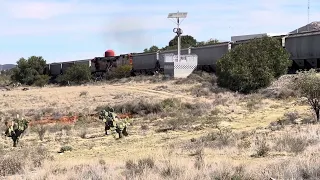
pixel 113 123
pixel 15 129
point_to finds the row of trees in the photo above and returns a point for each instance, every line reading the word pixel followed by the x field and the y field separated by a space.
pixel 186 41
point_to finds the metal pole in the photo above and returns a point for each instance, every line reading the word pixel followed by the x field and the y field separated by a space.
pixel 177 30
pixel 308 14
pixel 179 41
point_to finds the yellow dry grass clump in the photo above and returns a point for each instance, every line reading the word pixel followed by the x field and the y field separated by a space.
pixel 182 129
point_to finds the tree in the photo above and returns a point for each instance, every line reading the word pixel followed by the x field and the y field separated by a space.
pixel 252 65
pixel 29 71
pixel 209 42
pixel 77 73
pixel 5 77
pixel 186 41
pixel 201 43
pixel 212 41
pixel 307 84
pixel 151 49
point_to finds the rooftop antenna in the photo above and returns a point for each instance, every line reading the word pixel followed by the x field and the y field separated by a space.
pixel 178 30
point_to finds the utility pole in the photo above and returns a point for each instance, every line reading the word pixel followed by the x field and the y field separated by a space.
pixel 178 30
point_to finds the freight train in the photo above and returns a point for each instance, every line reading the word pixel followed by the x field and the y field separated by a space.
pixel 100 66
pixel 303 49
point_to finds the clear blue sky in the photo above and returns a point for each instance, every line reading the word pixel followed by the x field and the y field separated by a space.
pixel 66 30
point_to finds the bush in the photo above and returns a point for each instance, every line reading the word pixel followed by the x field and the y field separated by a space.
pixel 65 148
pixel 120 72
pixel 170 105
pixel 40 130
pixel 30 71
pixel 307 84
pixel 11 165
pixel 21 160
pixel 77 73
pixel 41 80
pixel 251 66
pixel 138 168
pixel 123 71
pixel 5 77
pixel 291 143
pixel 198 77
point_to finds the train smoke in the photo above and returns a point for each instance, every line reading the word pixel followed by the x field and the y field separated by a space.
pixel 127 33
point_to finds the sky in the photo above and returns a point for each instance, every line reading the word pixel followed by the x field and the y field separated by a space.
pixel 67 30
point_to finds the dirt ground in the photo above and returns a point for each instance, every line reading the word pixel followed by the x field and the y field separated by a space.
pixel 240 114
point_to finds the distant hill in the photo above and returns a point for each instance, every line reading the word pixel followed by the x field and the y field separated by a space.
pixel 6 66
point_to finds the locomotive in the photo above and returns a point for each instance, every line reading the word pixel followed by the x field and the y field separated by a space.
pixel 100 66
pixel 302 47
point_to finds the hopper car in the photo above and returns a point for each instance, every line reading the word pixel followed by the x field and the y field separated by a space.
pixel 304 50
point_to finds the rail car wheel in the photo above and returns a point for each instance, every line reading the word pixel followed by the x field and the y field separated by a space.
pixel 157 69
pixel 143 72
pixel 206 68
pixel 132 72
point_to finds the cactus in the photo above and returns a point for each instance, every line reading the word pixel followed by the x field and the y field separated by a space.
pixel 118 126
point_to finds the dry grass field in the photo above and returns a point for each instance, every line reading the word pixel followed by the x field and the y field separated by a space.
pixel 182 129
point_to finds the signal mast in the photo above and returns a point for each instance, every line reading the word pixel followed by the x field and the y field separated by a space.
pixel 178 30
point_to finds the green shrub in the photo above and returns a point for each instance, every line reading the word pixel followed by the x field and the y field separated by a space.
pixel 5 77
pixel 307 84
pixel 122 71
pixel 251 66
pixel 65 148
pixel 30 71
pixel 41 80
pixel 77 73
